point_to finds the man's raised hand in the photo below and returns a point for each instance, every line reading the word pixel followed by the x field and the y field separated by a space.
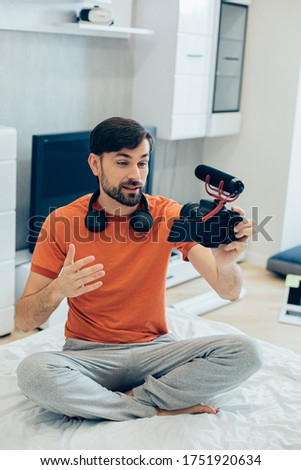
pixel 76 278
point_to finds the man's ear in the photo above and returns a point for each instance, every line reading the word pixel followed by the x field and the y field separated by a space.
pixel 94 162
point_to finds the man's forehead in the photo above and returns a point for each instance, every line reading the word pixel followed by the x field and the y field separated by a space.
pixel 141 150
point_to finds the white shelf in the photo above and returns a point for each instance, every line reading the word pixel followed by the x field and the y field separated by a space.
pixel 60 17
pixel 100 30
pixel 79 29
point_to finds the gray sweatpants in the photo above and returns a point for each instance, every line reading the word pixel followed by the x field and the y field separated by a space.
pixel 87 379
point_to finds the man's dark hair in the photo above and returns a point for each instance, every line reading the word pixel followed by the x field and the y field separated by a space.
pixel 116 133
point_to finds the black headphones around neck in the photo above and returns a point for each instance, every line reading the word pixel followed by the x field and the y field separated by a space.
pixel 96 220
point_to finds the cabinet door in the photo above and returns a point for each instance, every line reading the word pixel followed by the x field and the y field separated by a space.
pixel 196 16
pixel 227 94
pixel 190 94
pixel 7 282
pixel 229 63
pixel 230 58
pixel 233 21
pixel 8 185
pixel 7 322
pixel 8 143
pixel 7 235
pixel 188 126
pixel 193 54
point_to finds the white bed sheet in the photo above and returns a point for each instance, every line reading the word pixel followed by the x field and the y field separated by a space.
pixel 263 413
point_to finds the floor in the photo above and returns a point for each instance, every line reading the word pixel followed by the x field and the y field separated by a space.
pixel 256 314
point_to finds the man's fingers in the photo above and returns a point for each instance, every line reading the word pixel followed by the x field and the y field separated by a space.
pixel 89 288
pixel 244 228
pixel 83 280
pixel 238 209
pixel 70 255
pixel 69 260
pixel 82 273
pixel 240 245
pixel 83 262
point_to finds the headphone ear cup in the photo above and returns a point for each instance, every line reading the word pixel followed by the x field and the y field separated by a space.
pixel 95 221
pixel 142 221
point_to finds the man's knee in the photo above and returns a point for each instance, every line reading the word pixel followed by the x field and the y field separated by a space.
pixel 239 353
pixel 32 373
pixel 250 358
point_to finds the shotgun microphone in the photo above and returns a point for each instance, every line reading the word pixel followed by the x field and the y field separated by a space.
pixel 213 177
pixel 210 223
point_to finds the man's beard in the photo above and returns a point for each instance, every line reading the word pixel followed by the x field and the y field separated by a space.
pixel 115 192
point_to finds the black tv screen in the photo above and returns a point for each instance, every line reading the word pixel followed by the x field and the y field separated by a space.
pixel 60 173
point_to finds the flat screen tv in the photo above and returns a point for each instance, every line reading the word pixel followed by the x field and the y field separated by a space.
pixel 60 174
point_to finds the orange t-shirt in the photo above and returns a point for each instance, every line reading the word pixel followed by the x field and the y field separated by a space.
pixel 130 305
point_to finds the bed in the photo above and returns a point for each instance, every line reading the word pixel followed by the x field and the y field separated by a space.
pixel 263 413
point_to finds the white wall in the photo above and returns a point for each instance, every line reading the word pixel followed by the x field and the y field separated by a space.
pixel 291 234
pixel 56 83
pixel 260 155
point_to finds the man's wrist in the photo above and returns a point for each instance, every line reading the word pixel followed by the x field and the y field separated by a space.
pixel 228 268
pixel 55 296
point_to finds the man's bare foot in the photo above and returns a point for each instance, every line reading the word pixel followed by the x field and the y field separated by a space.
pixel 191 410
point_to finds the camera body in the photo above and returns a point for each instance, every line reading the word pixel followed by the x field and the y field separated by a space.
pixel 217 230
pixel 209 223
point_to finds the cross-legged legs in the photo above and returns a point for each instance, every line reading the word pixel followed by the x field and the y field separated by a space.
pixel 89 379
pixel 189 372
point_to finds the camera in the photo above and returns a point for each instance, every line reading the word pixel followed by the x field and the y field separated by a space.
pixel 209 223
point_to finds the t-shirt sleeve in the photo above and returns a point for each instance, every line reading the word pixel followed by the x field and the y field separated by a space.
pixel 172 213
pixel 184 248
pixel 50 250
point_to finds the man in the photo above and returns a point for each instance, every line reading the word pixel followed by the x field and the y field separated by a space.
pixel 119 362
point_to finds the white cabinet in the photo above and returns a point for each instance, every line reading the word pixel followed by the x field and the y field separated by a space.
pixel 193 54
pixel 224 117
pixel 195 16
pixel 171 78
pixel 7 228
pixel 190 70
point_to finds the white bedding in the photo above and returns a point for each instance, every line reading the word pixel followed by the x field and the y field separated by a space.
pixel 263 413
